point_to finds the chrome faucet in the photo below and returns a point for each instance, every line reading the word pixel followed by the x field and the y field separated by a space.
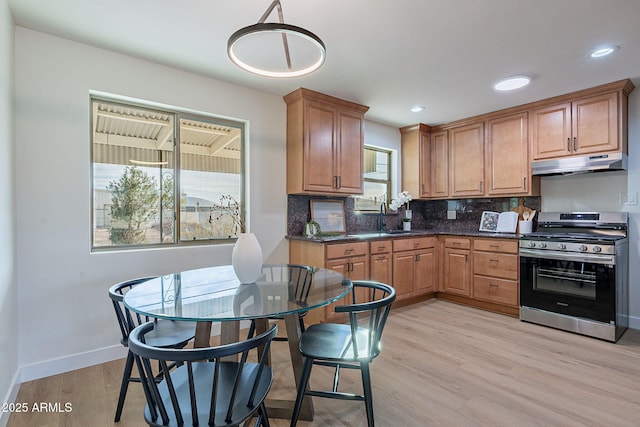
pixel 381 223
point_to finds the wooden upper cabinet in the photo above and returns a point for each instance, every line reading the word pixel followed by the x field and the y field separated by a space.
pixel 466 160
pixel 507 157
pixel 595 124
pixel 551 131
pixel 325 144
pixel 586 122
pixel 416 160
pixel 440 164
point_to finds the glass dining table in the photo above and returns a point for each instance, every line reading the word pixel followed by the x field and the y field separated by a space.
pixel 214 294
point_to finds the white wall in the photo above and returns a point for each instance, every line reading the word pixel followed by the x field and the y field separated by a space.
pixel 8 289
pixel 66 319
pixel 600 192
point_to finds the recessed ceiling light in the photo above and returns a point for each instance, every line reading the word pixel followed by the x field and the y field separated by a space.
pixel 604 51
pixel 511 83
pixel 417 109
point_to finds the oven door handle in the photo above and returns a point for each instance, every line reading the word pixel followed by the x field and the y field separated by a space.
pixel 565 256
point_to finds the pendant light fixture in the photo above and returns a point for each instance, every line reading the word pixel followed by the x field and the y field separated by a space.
pixel 257 48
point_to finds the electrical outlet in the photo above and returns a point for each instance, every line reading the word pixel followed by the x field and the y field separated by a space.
pixel 629 198
pixel 451 214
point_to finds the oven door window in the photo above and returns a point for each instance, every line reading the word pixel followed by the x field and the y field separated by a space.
pixel 566 278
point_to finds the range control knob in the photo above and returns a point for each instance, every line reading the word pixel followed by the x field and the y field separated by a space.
pixel 532 244
pixel 543 245
pixel 582 248
pixel 597 249
pixel 562 246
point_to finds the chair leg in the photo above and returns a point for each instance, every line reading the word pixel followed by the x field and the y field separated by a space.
pixel 264 419
pixel 126 376
pixel 368 394
pixel 302 326
pixel 304 379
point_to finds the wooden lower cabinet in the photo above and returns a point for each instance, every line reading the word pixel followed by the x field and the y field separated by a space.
pixel 414 266
pixel 457 266
pixel 482 272
pixel 380 264
pixel 495 271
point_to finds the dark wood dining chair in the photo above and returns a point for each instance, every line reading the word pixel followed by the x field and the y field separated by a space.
pixel 299 278
pixel 166 334
pixel 353 345
pixel 206 389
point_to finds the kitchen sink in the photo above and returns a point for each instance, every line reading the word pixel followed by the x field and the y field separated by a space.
pixel 373 234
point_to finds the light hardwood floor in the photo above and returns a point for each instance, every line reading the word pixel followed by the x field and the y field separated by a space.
pixel 442 364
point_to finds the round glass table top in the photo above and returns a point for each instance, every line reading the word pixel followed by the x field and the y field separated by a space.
pixel 216 294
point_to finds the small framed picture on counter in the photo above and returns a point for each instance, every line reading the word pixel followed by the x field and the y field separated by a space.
pixel 329 214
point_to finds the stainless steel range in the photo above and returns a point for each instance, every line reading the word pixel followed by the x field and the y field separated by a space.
pixel 574 273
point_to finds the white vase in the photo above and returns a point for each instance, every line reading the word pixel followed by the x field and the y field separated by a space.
pixel 406 225
pixel 408 213
pixel 247 258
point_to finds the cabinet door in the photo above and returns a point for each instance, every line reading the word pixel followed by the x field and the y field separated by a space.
pixel 595 124
pixel 403 274
pixel 457 272
pixel 551 131
pixel 440 164
pixel 425 269
pixel 508 155
pixel 355 268
pixel 381 268
pixel 466 163
pixel 320 147
pixel 426 183
pixel 350 153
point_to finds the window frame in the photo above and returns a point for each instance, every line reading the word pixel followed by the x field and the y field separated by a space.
pixel 178 114
pixel 387 181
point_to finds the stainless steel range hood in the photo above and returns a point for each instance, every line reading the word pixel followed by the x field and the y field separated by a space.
pixel 583 164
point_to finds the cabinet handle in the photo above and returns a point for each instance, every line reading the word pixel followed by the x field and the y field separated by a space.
pixel 335 181
pixel 493 285
pixel 481 190
pixel 348 251
pixel 575 145
pixel 466 258
pixel 339 182
pixel 417 257
pixel 493 260
pixel 416 245
pixel 524 183
pixel 568 144
pixel 494 246
pixel 381 248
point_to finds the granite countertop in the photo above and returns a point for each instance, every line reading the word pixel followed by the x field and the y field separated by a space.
pixel 374 235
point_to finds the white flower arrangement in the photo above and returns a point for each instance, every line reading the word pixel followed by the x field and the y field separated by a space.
pixel 401 199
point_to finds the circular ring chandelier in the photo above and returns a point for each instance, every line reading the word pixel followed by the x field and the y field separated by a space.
pixel 302 37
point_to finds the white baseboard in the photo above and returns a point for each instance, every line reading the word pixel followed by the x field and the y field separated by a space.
pixel 634 322
pixel 10 398
pixel 72 362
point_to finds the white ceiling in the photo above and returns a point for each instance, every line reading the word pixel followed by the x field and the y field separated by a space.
pixel 388 55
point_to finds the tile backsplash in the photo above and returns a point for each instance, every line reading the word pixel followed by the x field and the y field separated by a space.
pixel 427 214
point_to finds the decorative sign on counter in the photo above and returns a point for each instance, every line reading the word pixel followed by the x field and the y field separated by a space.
pixel 329 214
pixel 504 222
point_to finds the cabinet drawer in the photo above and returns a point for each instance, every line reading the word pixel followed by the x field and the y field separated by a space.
pixel 495 290
pixel 380 247
pixel 457 243
pixel 341 250
pixel 495 245
pixel 400 245
pixel 496 265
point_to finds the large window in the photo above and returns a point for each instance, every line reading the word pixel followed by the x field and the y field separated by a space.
pixel 377 180
pixel 163 177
